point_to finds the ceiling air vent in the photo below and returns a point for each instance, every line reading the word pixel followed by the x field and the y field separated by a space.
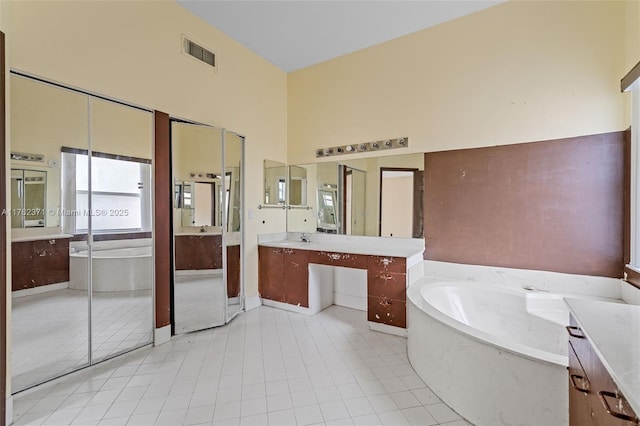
pixel 198 52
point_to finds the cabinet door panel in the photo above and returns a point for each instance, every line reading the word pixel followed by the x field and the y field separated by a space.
pixel 391 285
pixel 580 413
pixel 296 277
pixel 271 274
pixel 387 311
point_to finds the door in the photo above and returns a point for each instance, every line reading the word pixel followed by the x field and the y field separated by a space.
pixel 233 229
pixel 199 294
pixel 50 302
pixel 120 228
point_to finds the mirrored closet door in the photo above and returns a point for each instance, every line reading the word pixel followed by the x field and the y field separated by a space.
pixel 121 227
pixel 80 211
pixel 207 287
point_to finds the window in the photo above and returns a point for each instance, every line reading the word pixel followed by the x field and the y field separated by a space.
pixel 120 193
pixel 282 190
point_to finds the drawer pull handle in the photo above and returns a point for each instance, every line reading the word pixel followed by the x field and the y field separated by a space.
pixel 603 398
pixel 570 330
pixel 576 387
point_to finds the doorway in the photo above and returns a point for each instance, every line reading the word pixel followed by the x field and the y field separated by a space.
pixel 401 203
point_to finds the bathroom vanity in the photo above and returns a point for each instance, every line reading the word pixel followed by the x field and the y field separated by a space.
pixel 288 276
pixel 198 251
pixel 39 260
pixel 604 363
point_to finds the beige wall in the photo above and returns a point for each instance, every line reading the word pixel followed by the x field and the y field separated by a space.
pixel 517 72
pixel 131 51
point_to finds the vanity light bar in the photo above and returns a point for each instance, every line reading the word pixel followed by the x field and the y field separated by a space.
pixel 21 156
pixel 363 147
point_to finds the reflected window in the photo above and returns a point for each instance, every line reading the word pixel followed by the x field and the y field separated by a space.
pixel 282 189
pixel 120 193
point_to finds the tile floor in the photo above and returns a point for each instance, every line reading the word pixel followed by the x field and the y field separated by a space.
pixel 199 301
pixel 50 330
pixel 267 367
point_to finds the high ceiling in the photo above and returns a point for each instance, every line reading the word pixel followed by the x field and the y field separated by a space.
pixel 297 34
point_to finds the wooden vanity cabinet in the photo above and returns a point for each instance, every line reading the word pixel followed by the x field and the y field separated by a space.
pixel 386 290
pixel 40 262
pixel 198 252
pixel 594 398
pixel 283 275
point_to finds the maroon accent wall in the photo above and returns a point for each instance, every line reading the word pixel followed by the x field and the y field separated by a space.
pixel 163 207
pixel 3 238
pixel 556 205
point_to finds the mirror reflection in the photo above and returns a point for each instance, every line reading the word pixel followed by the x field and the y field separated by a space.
pixel 207 225
pixel 28 198
pixel 378 196
pixel 233 149
pixel 275 182
pixel 56 135
pixel 297 186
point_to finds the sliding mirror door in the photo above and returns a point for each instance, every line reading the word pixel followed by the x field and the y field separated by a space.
pixel 121 227
pixel 49 316
pixel 200 209
pixel 233 149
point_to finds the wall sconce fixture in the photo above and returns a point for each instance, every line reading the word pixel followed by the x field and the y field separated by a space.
pixel 363 147
pixel 21 156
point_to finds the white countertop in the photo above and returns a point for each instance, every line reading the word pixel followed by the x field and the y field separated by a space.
pixel 348 247
pixel 40 237
pixel 613 329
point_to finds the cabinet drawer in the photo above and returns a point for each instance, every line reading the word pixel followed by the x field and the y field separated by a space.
pixel 387 311
pixel 346 260
pixel 387 264
pixel 391 285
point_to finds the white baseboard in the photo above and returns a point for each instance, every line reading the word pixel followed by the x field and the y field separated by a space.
pixel 40 289
pixel 8 411
pixel 288 307
pixel 389 329
pixel 161 335
pixel 252 302
pixel 350 301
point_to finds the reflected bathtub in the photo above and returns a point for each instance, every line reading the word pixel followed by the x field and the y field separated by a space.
pixel 113 269
pixel 495 354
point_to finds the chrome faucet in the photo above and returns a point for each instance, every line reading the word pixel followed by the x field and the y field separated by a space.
pixel 305 238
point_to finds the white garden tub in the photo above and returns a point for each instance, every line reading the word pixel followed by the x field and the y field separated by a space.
pixel 495 354
pixel 112 269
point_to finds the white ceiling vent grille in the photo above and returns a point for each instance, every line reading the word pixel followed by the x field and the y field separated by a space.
pixel 198 52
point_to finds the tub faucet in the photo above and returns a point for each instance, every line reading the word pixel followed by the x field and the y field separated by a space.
pixel 305 238
pixel 532 288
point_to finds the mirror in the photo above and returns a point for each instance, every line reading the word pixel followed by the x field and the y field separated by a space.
pixel 297 184
pixel 376 196
pixel 275 186
pixel 28 198
pixel 199 201
pixel 82 269
pixel 207 226
pixel 233 151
